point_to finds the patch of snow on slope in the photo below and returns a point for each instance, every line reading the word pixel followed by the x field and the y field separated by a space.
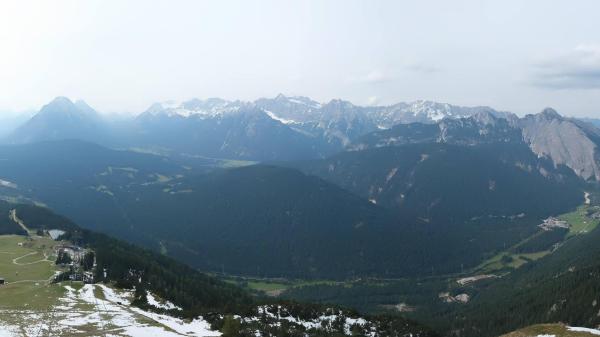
pixel 195 328
pixel 112 296
pixel 313 324
pixel 588 330
pixel 297 101
pixel 279 119
pixel 8 331
pixel 112 312
pixel 6 183
pixel 160 304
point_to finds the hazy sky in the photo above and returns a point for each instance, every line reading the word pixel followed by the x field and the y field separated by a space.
pixel 120 56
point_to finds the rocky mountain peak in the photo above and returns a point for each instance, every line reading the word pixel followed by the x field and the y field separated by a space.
pixel 563 141
pixel 59 102
pixel 63 107
pixel 549 113
pixel 485 118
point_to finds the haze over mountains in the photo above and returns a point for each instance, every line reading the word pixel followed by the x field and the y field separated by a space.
pixel 425 165
pixel 428 169
pixel 290 188
pixel 281 128
pixel 291 128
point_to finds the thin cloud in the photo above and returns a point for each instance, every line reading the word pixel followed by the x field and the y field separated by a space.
pixel 577 69
pixel 375 76
pixel 423 68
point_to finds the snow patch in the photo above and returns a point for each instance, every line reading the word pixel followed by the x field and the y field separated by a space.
pixel 588 330
pixel 152 300
pixel 6 183
pixel 313 324
pixel 279 119
pixel 112 310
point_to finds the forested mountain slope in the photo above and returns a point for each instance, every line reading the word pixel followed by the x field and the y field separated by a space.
pixel 562 287
pixel 136 292
pixel 444 183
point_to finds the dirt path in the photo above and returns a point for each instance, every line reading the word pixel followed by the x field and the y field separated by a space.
pixel 13 217
pixel 45 259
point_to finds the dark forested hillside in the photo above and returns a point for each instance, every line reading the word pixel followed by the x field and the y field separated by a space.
pixel 445 183
pixel 123 265
pixel 85 180
pixel 7 225
pixel 272 221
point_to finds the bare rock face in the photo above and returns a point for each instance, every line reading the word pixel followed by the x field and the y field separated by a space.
pixel 563 141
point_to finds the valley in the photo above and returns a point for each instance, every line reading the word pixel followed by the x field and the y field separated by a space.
pixel 400 226
pixel 340 168
pixel 439 295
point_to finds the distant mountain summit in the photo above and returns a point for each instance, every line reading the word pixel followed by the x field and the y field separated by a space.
pixel 565 141
pixel 479 128
pixel 61 119
pixel 325 128
pixel 197 108
pixel 220 129
pixel 290 110
pixel 426 112
pixel 300 109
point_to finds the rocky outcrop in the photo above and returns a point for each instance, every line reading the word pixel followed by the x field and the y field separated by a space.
pixel 563 141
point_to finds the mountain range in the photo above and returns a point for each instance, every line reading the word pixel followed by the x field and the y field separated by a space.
pixel 294 128
pixel 443 179
pixel 373 197
pixel 281 128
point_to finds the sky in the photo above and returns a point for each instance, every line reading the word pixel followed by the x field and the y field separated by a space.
pixel 120 55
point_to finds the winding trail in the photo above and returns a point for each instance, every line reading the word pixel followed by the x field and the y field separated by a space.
pixel 14 261
pixel 13 217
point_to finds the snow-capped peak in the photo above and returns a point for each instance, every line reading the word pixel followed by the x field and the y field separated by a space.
pixel 432 110
pixel 212 107
pixel 300 100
